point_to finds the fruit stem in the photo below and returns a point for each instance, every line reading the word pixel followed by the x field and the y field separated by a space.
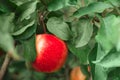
pixel 41 18
pixel 4 65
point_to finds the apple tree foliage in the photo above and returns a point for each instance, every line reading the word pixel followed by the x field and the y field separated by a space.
pixel 90 28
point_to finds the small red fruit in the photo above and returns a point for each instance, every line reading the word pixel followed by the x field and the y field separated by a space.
pixel 51 53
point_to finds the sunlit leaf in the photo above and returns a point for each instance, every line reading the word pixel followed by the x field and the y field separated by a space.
pixel 59 28
pixel 58 4
pixel 96 7
pixel 82 30
pixel 26 9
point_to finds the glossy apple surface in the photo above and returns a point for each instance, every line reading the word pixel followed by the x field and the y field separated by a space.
pixel 51 53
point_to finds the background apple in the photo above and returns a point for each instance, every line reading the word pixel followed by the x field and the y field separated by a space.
pixel 51 53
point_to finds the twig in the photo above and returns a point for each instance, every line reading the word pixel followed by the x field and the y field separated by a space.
pixel 4 66
pixel 66 72
pixel 43 2
pixel 42 22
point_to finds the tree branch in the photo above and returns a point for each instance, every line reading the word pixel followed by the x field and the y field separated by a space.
pixel 41 18
pixel 44 3
pixel 67 72
pixel 4 66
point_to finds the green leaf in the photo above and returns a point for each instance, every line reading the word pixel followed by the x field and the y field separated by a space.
pixel 26 34
pixel 58 4
pixel 24 28
pixel 114 74
pixel 6 6
pixel 80 53
pixel 19 2
pixel 3 8
pixel 108 36
pixel 100 72
pixel 59 28
pixel 26 9
pixel 6 42
pixel 6 22
pixel 82 30
pixel 22 75
pixel 6 26
pixel 108 39
pixel 110 60
pixel 92 57
pixel 29 49
pixel 38 75
pixel 115 3
pixel 96 7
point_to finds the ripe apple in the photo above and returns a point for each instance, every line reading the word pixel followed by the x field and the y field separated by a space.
pixel 77 74
pixel 51 53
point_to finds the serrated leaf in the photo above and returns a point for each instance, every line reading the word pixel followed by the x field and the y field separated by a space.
pixel 59 28
pixel 23 29
pixel 110 60
pixel 58 4
pixel 26 9
pixel 108 36
pixel 96 7
pixel 80 53
pixel 29 49
pixel 26 34
pixel 83 30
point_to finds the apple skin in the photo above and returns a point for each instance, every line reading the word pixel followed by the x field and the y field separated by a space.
pixel 51 53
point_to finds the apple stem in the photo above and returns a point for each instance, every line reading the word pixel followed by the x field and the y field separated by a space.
pixel 4 66
pixel 41 18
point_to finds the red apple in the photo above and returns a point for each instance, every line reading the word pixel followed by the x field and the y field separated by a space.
pixel 51 53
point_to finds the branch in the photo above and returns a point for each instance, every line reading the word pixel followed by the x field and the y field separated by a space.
pixel 4 66
pixel 66 72
pixel 41 18
pixel 44 3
